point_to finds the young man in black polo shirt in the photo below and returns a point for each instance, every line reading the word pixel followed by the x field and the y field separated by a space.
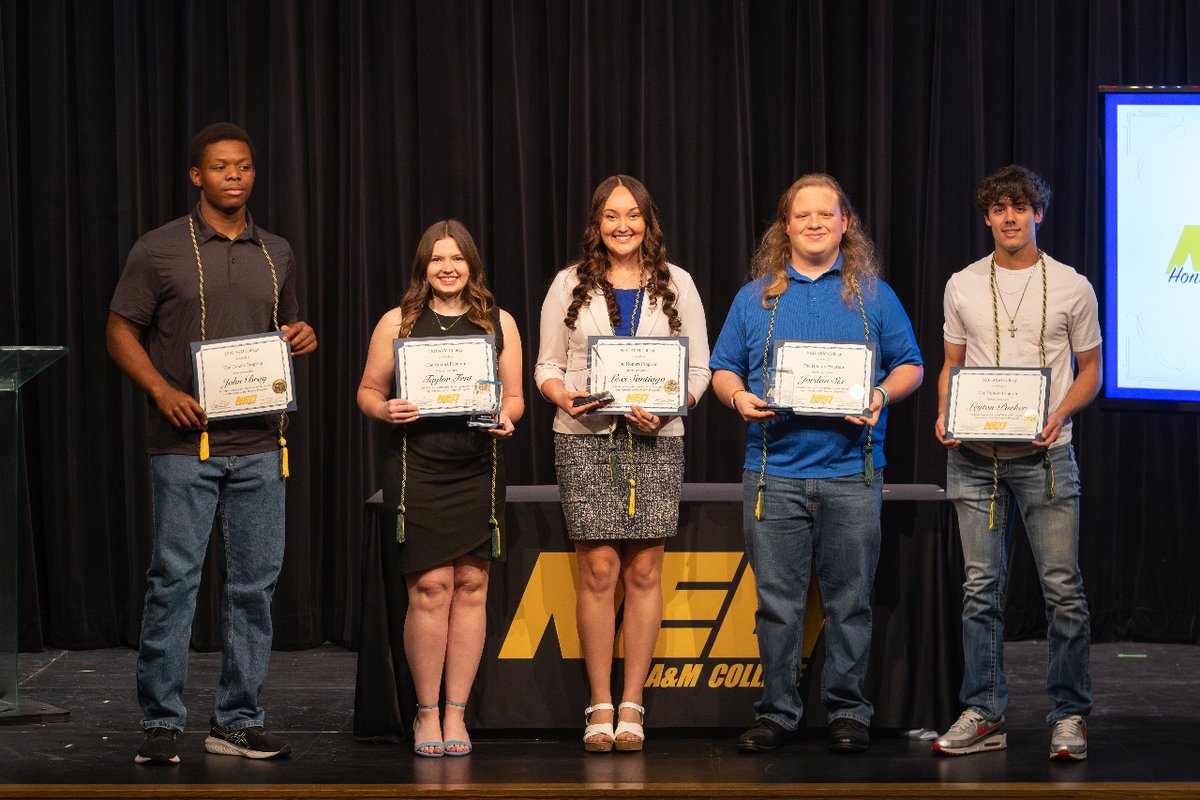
pixel 208 275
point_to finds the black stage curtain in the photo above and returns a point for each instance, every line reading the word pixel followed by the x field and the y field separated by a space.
pixel 373 119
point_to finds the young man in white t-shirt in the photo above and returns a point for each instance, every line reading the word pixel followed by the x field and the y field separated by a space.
pixel 1017 307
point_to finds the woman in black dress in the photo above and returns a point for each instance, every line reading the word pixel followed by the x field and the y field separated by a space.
pixel 444 480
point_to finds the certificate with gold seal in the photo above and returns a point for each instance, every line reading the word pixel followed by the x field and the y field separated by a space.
pixel 244 376
pixel 997 404
pixel 446 376
pixel 822 378
pixel 646 371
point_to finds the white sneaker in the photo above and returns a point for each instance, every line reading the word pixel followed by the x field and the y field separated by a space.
pixel 972 733
pixel 1068 739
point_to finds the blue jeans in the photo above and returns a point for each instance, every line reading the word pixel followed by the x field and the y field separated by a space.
pixel 837 519
pixel 245 494
pixel 1053 527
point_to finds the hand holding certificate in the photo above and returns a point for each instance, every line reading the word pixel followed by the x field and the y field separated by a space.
pixel 822 378
pixel 244 376
pixel 997 404
pixel 646 371
pixel 448 375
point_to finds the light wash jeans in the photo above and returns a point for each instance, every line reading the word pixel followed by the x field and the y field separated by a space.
pixel 1053 527
pixel 245 494
pixel 837 519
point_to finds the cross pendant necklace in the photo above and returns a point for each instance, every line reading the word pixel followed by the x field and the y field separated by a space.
pixel 1012 318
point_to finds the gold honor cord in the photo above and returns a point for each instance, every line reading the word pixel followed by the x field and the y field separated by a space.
pixel 613 461
pixel 868 456
pixel 204 451
pixel 1046 464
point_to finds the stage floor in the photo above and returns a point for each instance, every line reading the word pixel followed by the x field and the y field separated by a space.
pixel 1142 743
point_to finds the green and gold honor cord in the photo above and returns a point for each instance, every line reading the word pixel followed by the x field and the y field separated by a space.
pixel 614 467
pixel 204 451
pixel 493 523
pixel 868 455
pixel 1046 464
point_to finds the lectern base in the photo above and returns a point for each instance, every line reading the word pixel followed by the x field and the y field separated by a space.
pixel 32 712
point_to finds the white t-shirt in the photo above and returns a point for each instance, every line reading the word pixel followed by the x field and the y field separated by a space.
pixel 1072 326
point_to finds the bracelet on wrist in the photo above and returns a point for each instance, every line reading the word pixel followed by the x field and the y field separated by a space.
pixel 733 399
pixel 883 392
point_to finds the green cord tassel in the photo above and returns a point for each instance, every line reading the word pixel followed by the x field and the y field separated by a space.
pixel 400 524
pixel 758 505
pixel 868 464
pixel 1049 476
pixel 613 469
pixel 495 526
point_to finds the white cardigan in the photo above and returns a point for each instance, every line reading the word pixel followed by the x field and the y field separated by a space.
pixel 562 352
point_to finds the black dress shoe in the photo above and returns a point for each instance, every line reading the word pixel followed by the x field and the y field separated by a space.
pixel 765 736
pixel 848 736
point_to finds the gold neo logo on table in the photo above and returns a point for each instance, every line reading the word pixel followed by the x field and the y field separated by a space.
pixel 707 637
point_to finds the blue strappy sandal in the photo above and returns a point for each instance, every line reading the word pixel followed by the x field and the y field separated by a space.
pixel 458 742
pixel 441 748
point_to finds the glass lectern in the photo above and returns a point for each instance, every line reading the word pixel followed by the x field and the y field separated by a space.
pixel 17 366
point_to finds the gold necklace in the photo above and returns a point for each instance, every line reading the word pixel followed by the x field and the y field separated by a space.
pixel 443 325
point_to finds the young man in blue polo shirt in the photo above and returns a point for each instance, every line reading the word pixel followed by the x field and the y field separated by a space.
pixel 813 484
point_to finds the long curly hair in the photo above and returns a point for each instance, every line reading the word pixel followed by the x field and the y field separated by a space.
pixel 592 266
pixel 860 263
pixel 479 300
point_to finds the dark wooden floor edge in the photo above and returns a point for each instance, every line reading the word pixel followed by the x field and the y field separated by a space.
pixel 543 791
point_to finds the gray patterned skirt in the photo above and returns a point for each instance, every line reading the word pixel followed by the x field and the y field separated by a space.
pixel 597 507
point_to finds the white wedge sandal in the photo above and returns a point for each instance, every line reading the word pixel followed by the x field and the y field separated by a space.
pixel 593 728
pixel 630 745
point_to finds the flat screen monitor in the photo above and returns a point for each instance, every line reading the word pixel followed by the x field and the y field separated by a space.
pixel 1151 296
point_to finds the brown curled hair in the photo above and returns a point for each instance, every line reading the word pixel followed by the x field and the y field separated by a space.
pixel 593 263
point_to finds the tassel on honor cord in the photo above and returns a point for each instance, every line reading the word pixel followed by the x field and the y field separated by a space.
pixel 758 510
pixel 494 524
pixel 1049 476
pixel 283 458
pixel 400 524
pixel 632 497
pixel 868 464
pixel 204 445
pixel 612 458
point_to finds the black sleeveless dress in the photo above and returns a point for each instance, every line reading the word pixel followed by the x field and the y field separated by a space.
pixel 447 496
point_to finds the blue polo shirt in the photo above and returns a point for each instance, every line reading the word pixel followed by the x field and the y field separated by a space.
pixel 813 310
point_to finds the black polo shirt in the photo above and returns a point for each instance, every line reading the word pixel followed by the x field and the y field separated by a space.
pixel 160 291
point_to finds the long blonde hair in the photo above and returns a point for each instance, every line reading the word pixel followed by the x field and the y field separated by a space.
pixel 860 263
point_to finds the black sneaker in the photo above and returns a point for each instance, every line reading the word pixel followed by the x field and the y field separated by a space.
pixel 848 736
pixel 158 747
pixel 248 742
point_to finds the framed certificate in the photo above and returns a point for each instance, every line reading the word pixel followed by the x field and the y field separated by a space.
pixel 822 378
pixel 646 371
pixel 443 375
pixel 244 376
pixel 997 404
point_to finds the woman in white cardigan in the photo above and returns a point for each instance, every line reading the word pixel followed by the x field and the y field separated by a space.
pixel 620 285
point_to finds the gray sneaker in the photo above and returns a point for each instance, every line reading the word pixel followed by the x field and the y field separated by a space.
pixel 1068 739
pixel 973 733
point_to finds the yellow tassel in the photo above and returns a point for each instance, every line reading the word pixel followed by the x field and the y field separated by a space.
pixel 758 504
pixel 992 514
pixel 204 445
pixel 632 497
pixel 283 457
